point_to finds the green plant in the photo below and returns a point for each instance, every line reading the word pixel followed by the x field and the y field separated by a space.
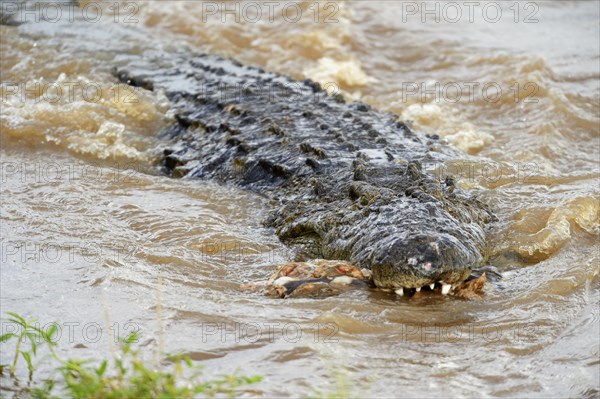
pixel 127 376
pixel 28 333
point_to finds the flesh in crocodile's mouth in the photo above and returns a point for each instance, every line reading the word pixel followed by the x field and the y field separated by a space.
pixel 320 278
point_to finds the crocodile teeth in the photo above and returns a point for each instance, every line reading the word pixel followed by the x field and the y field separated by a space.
pixel 446 288
pixel 432 286
pixel 400 291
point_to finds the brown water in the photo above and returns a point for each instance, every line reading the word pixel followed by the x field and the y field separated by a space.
pixel 88 222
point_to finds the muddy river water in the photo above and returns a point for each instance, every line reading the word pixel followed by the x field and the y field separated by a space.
pixel 89 225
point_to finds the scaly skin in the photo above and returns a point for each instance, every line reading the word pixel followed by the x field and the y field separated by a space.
pixel 345 181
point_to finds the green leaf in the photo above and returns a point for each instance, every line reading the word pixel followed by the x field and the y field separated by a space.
pixel 100 370
pixel 27 358
pixel 48 335
pixel 7 336
pixel 253 379
pixel 32 338
pixel 131 338
pixel 17 319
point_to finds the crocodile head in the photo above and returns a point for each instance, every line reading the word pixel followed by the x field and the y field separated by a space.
pixel 422 261
pixel 410 231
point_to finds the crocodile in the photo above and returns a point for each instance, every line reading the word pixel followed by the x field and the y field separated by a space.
pixel 344 181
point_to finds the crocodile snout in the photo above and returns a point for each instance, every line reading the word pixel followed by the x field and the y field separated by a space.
pixel 422 260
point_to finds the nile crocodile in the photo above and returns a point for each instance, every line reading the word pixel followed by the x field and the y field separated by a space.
pixel 345 181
